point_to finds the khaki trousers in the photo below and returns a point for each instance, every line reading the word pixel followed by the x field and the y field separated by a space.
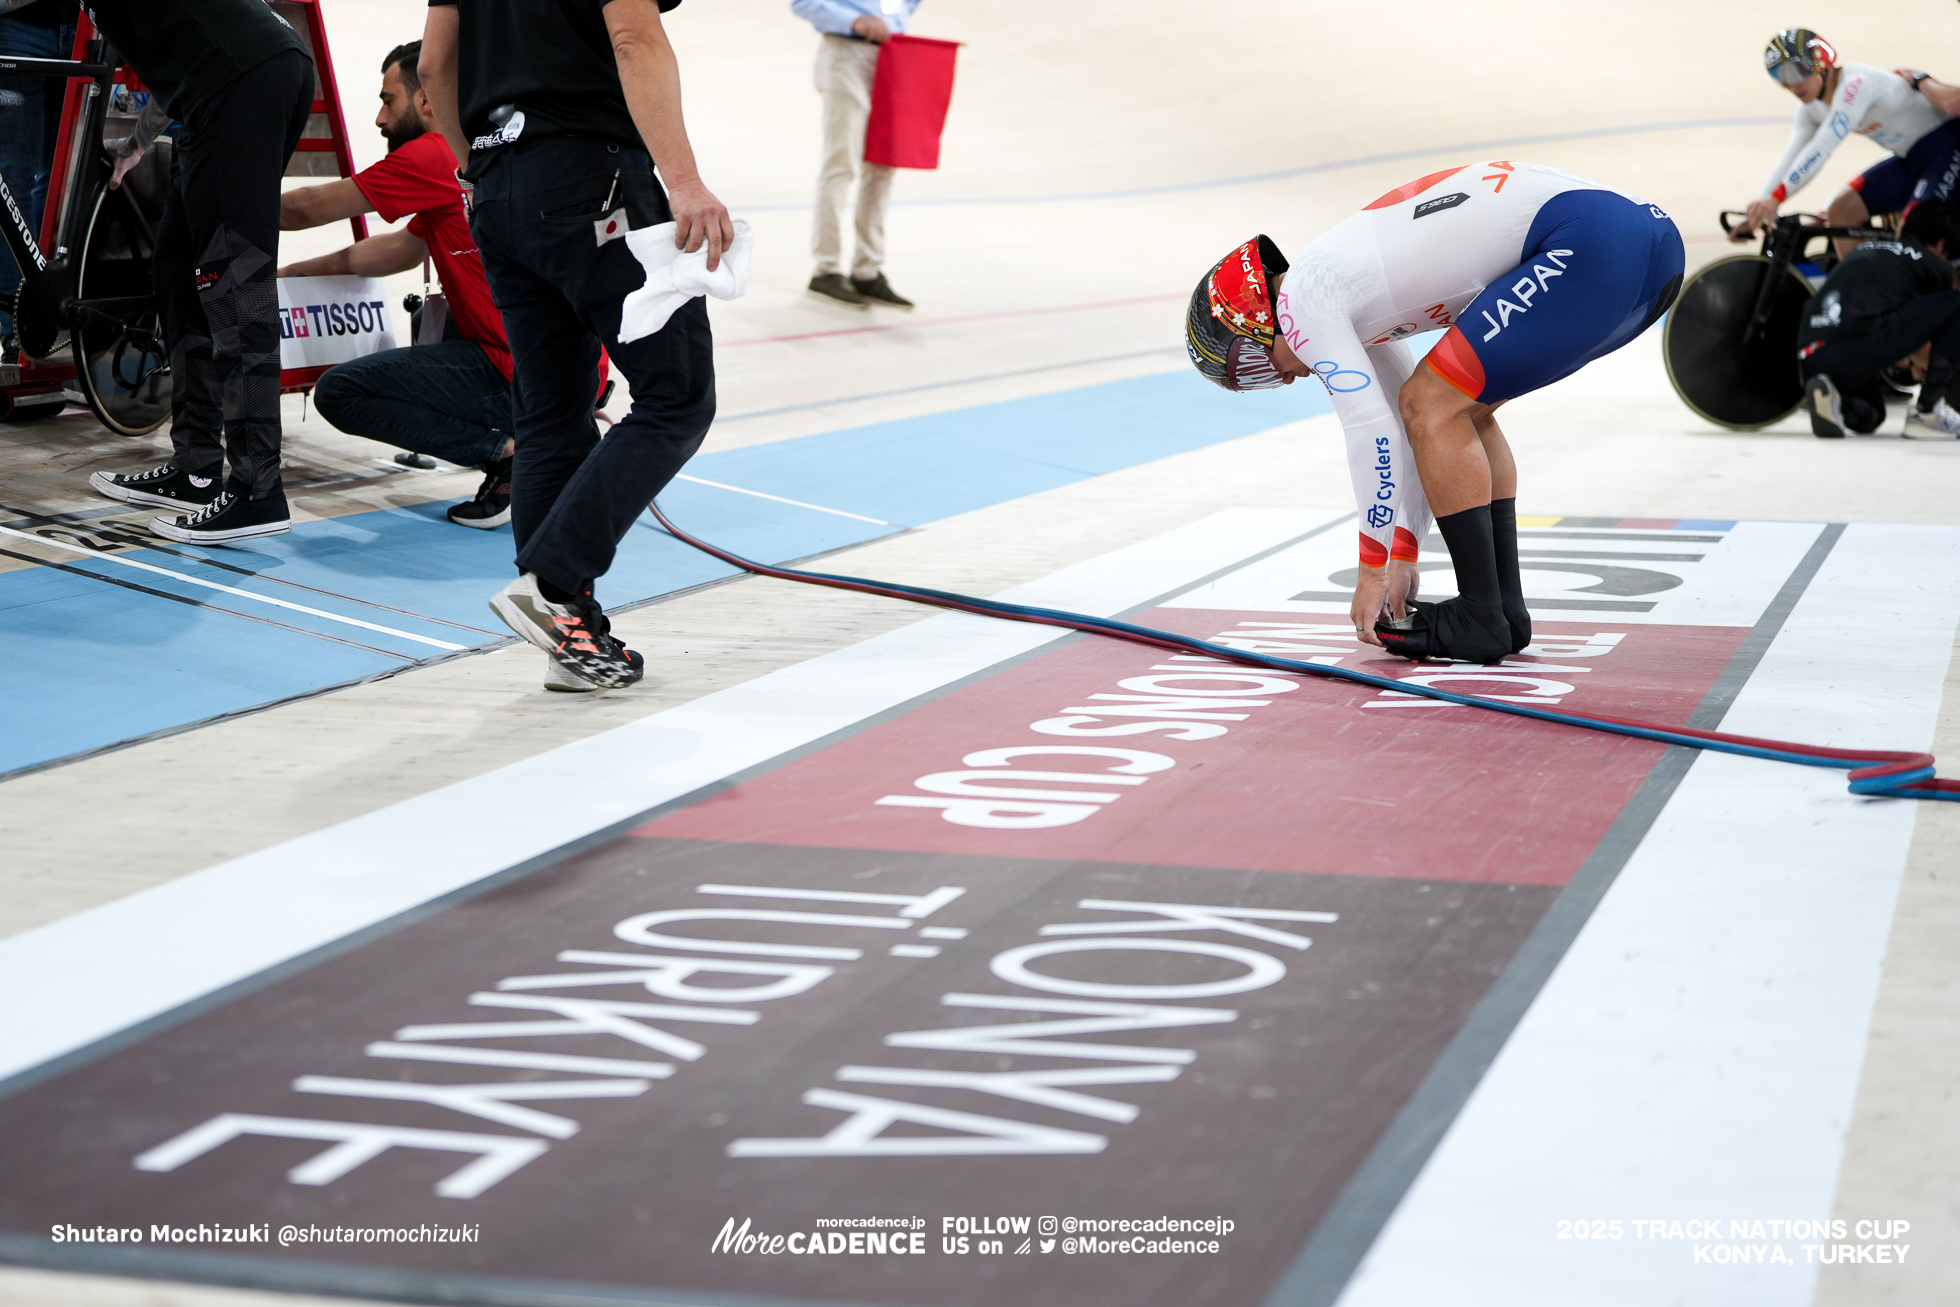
pixel 843 75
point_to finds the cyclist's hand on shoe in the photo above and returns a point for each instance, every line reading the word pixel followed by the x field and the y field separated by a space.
pixel 124 163
pixel 699 217
pixel 1403 579
pixel 1370 588
pixel 1382 594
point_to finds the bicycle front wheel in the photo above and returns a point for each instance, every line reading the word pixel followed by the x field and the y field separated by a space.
pixel 1742 388
pixel 120 365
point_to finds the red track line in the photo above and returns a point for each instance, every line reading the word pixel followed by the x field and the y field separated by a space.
pixel 946 322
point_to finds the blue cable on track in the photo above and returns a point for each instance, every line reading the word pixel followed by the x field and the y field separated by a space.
pixel 1874 773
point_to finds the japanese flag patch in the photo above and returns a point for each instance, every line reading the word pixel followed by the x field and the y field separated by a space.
pixel 611 227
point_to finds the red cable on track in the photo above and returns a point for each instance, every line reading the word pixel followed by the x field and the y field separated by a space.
pixel 1873 772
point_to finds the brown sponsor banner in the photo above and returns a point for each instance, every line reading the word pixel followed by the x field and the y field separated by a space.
pixel 681 1068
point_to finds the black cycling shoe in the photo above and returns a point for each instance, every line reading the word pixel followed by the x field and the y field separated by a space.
pixel 1450 629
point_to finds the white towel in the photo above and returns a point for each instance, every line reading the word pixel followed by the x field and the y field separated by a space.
pixel 674 277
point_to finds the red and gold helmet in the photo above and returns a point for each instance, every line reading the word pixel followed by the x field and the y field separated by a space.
pixel 1229 328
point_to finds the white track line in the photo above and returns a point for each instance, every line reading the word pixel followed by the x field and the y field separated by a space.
pixel 779 499
pixel 230 590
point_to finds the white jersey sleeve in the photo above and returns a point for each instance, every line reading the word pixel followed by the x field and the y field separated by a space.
pixel 1364 382
pixel 1870 101
pixel 1803 127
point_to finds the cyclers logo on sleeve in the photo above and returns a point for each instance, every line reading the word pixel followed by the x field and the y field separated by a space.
pixel 1536 282
pixel 1379 513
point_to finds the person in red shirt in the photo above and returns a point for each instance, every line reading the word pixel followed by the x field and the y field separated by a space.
pixel 450 399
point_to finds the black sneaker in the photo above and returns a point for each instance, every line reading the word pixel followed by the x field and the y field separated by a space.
pixel 491 507
pixel 879 291
pixel 228 518
pixel 834 286
pixel 572 633
pixel 557 678
pixel 160 487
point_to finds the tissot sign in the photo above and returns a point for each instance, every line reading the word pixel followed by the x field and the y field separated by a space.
pixel 328 320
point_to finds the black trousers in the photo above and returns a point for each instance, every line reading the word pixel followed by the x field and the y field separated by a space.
pixel 217 250
pixel 534 215
pixel 1854 365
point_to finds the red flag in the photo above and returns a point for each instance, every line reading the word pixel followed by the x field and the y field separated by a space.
pixel 909 95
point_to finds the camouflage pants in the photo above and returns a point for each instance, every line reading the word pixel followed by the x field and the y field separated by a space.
pixel 216 253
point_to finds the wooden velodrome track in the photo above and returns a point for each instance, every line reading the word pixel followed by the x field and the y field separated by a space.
pixel 1099 155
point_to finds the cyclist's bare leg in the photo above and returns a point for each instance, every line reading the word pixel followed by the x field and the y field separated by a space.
pixel 1847 210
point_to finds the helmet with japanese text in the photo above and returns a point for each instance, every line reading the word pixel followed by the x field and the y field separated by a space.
pixel 1229 328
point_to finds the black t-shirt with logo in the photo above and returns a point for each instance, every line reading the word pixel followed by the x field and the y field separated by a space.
pixel 535 68
pixel 186 49
pixel 1873 280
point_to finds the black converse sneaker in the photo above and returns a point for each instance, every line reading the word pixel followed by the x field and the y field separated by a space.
pixel 491 507
pixel 228 518
pixel 572 633
pixel 161 487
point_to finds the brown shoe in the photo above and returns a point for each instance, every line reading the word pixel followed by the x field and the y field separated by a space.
pixel 879 291
pixel 833 286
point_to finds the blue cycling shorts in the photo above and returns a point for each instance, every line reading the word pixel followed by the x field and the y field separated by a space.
pixel 1929 171
pixel 1597 270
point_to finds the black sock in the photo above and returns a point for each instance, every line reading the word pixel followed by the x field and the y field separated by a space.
pixel 1504 536
pixel 1473 556
pixel 1472 626
pixel 554 593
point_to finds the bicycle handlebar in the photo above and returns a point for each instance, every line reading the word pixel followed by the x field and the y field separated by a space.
pixel 53 68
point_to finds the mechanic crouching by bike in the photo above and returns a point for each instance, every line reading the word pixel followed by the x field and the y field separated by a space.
pixel 239 80
pixel 1887 302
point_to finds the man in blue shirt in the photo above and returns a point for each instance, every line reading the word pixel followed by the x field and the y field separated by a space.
pixel 847 60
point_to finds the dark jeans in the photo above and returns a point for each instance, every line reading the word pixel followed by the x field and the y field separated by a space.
pixel 216 252
pixel 1854 365
pixel 573 495
pixel 446 400
pixel 30 114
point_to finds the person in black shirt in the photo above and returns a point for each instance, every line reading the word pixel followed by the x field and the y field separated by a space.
pixel 241 82
pixel 563 108
pixel 1888 302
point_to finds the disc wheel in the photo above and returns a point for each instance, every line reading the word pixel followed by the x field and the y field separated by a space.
pixel 1742 388
pixel 120 367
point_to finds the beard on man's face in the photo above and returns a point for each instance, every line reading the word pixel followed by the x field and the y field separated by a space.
pixel 406 128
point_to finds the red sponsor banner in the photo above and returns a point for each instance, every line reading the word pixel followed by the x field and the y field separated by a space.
pixel 1106 752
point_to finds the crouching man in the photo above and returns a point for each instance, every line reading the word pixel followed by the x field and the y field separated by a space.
pixel 1887 302
pixel 449 399
pixel 1534 271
